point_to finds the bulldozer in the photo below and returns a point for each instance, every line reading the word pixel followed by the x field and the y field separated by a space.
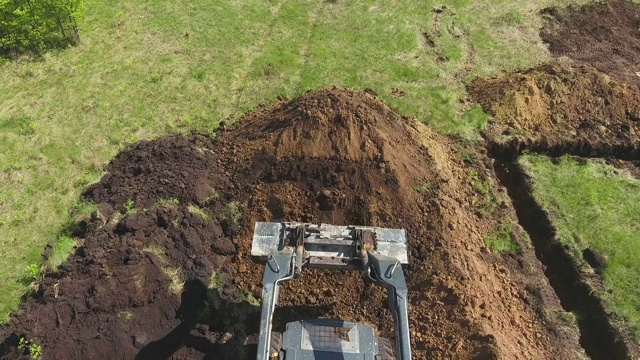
pixel 287 248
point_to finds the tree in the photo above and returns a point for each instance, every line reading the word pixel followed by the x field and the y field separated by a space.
pixel 33 26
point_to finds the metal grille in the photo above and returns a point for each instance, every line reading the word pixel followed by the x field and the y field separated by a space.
pixel 344 339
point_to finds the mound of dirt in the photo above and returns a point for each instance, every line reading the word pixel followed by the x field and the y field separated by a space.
pixel 177 168
pixel 174 277
pixel 605 35
pixel 560 104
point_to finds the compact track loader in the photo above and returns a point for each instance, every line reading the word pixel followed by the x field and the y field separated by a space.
pixel 289 247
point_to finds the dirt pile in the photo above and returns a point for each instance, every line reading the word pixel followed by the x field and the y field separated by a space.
pixel 605 35
pixel 123 287
pixel 587 105
pixel 173 277
pixel 560 104
pixel 150 171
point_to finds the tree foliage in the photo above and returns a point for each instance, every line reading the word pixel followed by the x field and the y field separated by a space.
pixel 36 25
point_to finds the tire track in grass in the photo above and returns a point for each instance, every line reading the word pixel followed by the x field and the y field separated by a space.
pixel 324 19
pixel 276 71
pixel 304 50
pixel 242 72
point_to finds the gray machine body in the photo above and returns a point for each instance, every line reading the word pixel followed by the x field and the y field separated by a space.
pixel 329 339
pixel 289 247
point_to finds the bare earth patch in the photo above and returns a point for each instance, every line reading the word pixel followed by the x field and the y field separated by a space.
pixel 587 105
pixel 330 156
pixel 604 35
pixel 560 105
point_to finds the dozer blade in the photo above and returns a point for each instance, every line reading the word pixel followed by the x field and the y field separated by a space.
pixel 328 246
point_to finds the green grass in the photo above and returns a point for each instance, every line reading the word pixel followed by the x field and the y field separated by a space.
pixel 502 239
pixel 147 68
pixel 61 250
pixel 33 348
pixel 129 206
pixel 248 297
pixel 597 206
pixel 196 210
pixel 488 200
pixel 170 202
pixel 233 211
pixel 216 281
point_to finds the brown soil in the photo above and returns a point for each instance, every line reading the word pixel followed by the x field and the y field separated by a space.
pixel 587 105
pixel 633 167
pixel 330 156
pixel 604 35
pixel 560 104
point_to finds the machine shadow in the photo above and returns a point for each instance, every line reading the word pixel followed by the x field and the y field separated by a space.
pixel 219 328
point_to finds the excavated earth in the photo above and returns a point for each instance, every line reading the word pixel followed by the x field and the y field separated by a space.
pixel 633 167
pixel 605 35
pixel 331 156
pixel 163 268
pixel 585 103
pixel 561 107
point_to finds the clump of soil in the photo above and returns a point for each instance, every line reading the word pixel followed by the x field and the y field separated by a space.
pixel 604 35
pixel 560 104
pixel 122 290
pixel 174 277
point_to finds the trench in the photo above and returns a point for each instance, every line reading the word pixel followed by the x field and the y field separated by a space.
pixel 509 151
pixel 598 337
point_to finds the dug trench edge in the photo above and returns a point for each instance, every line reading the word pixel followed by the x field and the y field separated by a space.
pixel 509 151
pixel 599 337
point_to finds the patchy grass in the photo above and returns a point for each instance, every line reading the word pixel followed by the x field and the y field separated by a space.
pixel 175 274
pixel 511 18
pixel 60 252
pixel 248 297
pixel 595 206
pixel 196 210
pixel 82 210
pixel 126 314
pixel 233 211
pixel 216 281
pixel 129 206
pixel 33 271
pixel 146 68
pixel 423 187
pixel 170 202
pixel 488 200
pixel 211 198
pixel 177 279
pixel 158 251
pixel 502 239
pixel 32 346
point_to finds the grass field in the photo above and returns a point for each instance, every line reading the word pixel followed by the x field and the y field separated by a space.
pixel 596 206
pixel 147 68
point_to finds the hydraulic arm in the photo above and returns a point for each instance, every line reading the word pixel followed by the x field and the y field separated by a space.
pixel 378 252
